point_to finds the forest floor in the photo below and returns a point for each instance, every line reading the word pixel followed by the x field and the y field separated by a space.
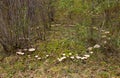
pixel 28 66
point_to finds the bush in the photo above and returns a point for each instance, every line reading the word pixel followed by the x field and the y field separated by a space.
pixel 22 22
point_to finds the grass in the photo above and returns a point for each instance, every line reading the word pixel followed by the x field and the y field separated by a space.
pixel 59 42
pixel 48 68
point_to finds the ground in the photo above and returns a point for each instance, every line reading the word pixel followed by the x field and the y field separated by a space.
pixel 28 66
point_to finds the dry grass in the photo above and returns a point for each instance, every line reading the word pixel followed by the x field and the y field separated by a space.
pixel 48 68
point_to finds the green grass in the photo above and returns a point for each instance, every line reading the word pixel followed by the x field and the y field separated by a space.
pixel 64 40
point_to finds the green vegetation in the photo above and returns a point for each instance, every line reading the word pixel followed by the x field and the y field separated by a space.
pixel 59 39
